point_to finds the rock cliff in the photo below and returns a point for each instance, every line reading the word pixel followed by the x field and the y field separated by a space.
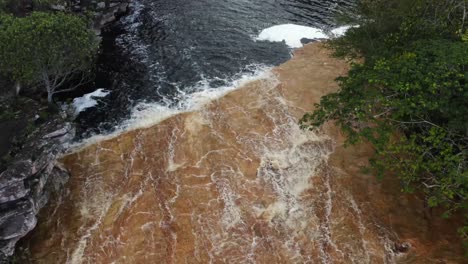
pixel 25 186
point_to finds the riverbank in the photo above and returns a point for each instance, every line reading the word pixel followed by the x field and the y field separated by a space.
pixel 34 133
pixel 234 182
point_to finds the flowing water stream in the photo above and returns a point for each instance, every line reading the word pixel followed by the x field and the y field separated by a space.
pixel 168 49
pixel 212 167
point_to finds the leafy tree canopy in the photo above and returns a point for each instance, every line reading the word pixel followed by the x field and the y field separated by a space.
pixel 387 26
pixel 47 48
pixel 409 97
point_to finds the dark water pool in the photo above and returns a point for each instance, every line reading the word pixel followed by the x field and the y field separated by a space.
pixel 165 48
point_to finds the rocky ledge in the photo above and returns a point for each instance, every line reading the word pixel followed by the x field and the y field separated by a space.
pixel 105 12
pixel 111 14
pixel 34 174
pixel 25 186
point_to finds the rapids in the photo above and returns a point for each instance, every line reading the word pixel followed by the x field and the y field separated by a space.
pixel 165 50
pixel 237 181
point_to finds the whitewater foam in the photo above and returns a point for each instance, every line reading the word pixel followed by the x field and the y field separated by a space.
pixel 88 100
pixel 147 114
pixel 292 34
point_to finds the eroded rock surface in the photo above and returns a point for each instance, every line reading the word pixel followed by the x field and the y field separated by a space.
pixel 25 186
pixel 238 182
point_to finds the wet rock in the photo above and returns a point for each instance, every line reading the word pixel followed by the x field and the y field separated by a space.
pixel 25 186
pixel 101 5
pixel 58 7
pixel 401 247
pixel 58 133
pixel 13 192
pixel 110 15
pixel 18 171
pixel 305 41
pixel 18 220
pixel 76 8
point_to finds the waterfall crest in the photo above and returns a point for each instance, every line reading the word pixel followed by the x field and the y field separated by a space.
pixel 237 182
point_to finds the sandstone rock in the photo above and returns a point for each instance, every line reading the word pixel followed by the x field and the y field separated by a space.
pixel 401 247
pixel 16 172
pixel 13 192
pixel 16 221
pixel 25 186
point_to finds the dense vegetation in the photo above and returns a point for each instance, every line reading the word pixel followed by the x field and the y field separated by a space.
pixel 46 49
pixel 409 97
pixel 50 49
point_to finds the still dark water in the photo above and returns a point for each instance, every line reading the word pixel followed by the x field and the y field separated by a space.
pixel 165 49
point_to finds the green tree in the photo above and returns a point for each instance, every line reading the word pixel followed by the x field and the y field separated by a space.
pixel 409 97
pixel 421 95
pixel 388 26
pixel 53 50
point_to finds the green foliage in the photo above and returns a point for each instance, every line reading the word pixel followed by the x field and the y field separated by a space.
pixel 422 95
pixel 46 48
pixel 387 26
pixel 428 81
pixel 410 96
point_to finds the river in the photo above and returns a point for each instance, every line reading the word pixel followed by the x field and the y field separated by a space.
pixel 203 161
pixel 165 51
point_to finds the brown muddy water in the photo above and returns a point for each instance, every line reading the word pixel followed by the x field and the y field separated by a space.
pixel 238 182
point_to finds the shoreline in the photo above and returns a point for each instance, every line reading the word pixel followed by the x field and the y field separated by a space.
pixel 132 123
pixel 29 172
